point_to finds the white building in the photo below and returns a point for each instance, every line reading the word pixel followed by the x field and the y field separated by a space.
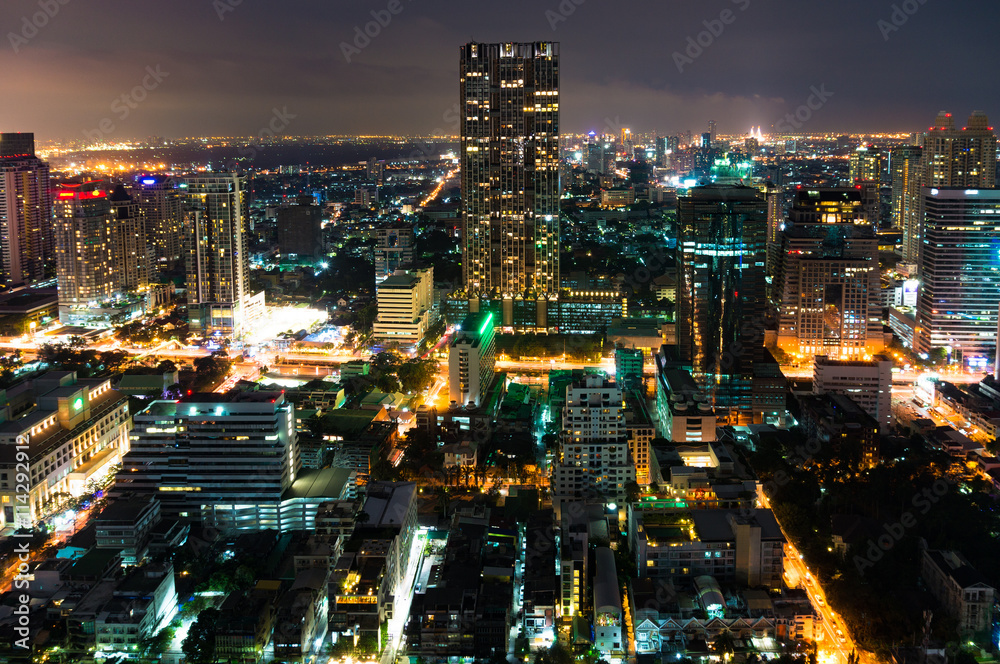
pixel 867 382
pixel 405 301
pixel 73 432
pixel 472 360
pixel 594 442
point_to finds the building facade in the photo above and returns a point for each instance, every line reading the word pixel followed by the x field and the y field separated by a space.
pixel 224 460
pixel 472 360
pixel 25 211
pixel 217 253
pixel 405 305
pixel 509 125
pixel 160 202
pixel 74 430
pixel 960 270
pixel 394 248
pixel 867 382
pixel 300 229
pixel 907 180
pixel 594 451
pixel 86 246
pixel 828 291
pixel 721 255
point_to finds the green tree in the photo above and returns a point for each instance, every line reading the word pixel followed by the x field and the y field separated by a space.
pixel 199 646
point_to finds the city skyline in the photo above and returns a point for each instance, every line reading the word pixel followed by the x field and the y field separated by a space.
pixel 741 63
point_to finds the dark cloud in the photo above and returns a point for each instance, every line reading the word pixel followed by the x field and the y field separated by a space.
pixel 226 76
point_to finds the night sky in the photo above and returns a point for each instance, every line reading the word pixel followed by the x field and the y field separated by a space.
pixel 227 76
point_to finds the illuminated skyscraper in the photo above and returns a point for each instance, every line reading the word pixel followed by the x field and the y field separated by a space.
pixel 960 269
pixel 828 291
pixel 159 200
pixel 960 157
pixel 721 254
pixel 86 247
pixel 907 178
pixel 130 251
pixel 866 165
pixel 510 168
pixel 25 211
pixel 218 266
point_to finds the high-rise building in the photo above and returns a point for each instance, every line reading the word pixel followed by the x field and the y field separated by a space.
pixel 866 165
pixel 960 157
pixel 828 291
pixel 393 250
pixel 960 270
pixel 225 460
pixel 159 199
pixel 907 179
pixel 216 251
pixel 836 205
pixel 300 229
pixel 472 360
pixel 375 171
pixel 26 231
pixel 951 157
pixel 405 301
pixel 594 449
pixel 86 244
pixel 712 129
pixel 130 250
pixel 510 167
pixel 721 254
pixel 867 382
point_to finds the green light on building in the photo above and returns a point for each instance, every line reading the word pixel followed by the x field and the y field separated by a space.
pixel 489 321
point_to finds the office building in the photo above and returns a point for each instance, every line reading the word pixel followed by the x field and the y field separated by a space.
pixel 963 591
pixel 510 168
pixel 375 171
pixel 217 253
pixel 393 250
pixel 595 460
pixel 964 157
pixel 405 303
pixel 842 427
pixel 159 200
pixel 684 414
pixel 300 229
pixel 866 165
pixel 225 460
pixel 130 249
pixel 827 291
pixel 26 235
pixel 836 205
pixel 472 360
pixel 960 270
pixel 712 130
pixel 76 431
pixel 628 366
pixel 721 252
pixel 744 547
pixel 86 246
pixel 867 382
pixel 907 179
